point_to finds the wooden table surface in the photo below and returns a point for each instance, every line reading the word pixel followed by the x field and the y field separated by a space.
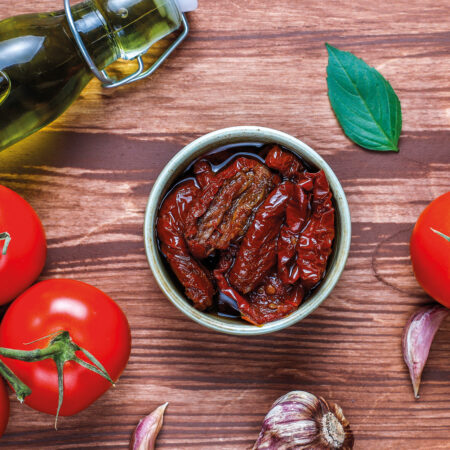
pixel 250 62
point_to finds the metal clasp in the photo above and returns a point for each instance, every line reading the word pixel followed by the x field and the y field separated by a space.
pixel 5 89
pixel 102 75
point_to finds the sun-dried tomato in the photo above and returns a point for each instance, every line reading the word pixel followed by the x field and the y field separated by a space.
pixel 192 275
pixel 225 263
pixel 245 184
pixel 316 240
pixel 290 167
pixel 297 213
pixel 271 301
pixel 258 250
pixel 313 246
pixel 211 183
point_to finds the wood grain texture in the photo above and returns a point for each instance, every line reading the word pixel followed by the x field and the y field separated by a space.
pixel 251 62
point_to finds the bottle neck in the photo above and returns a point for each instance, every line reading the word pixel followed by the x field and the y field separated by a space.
pixel 99 41
pixel 113 29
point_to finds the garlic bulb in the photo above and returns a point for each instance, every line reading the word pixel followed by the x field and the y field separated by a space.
pixel 300 420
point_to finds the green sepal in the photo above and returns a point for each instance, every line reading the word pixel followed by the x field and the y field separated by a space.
pixel 441 234
pixel 7 238
pixel 61 349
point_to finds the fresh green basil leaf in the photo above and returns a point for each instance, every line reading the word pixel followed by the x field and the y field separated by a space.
pixel 365 104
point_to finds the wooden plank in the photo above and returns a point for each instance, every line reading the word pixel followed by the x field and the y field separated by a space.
pixel 89 175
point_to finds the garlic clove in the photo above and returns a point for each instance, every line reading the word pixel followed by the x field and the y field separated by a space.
pixel 418 336
pixel 301 420
pixel 147 430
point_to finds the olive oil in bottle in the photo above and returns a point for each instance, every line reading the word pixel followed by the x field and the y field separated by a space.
pixel 42 70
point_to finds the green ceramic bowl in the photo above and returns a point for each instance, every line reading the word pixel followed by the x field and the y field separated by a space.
pixel 180 162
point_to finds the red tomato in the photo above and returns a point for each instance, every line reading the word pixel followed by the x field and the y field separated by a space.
pixel 4 408
pixel 25 256
pixel 430 249
pixel 95 322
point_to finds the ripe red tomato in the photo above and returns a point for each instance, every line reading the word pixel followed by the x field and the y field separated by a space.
pixel 430 249
pixel 25 256
pixel 4 408
pixel 95 322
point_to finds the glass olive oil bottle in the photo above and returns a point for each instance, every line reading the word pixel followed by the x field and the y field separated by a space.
pixel 42 70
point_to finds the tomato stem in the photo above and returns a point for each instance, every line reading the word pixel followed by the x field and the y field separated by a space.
pixel 7 238
pixel 31 355
pixel 61 349
pixel 20 388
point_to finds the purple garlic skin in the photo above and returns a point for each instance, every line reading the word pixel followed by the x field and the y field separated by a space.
pixel 147 430
pixel 300 420
pixel 418 336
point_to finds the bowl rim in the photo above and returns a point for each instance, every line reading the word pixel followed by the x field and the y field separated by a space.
pixel 191 152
